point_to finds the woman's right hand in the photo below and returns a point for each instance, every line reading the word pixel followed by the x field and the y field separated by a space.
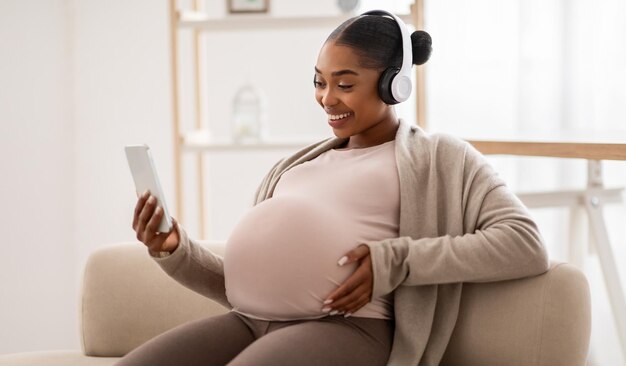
pixel 146 223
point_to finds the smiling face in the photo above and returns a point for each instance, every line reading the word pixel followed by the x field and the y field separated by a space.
pixel 349 95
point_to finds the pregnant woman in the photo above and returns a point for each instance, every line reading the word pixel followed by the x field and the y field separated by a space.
pixel 357 246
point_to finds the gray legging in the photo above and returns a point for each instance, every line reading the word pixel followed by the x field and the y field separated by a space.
pixel 235 340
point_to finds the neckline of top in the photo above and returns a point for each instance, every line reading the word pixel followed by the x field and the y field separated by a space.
pixel 369 148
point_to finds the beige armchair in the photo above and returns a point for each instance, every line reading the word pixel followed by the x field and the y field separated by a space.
pixel 127 299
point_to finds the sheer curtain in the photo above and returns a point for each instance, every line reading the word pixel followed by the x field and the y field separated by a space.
pixel 535 68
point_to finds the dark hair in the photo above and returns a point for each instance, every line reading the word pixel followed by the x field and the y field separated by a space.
pixel 378 41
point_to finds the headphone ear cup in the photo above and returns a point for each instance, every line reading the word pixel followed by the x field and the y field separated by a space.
pixel 384 85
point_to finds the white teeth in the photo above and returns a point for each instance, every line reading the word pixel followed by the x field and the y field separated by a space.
pixel 338 116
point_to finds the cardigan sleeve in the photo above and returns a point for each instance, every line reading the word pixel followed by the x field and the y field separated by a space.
pixel 503 244
pixel 196 268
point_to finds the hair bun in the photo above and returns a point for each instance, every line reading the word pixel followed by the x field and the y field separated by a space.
pixel 422 47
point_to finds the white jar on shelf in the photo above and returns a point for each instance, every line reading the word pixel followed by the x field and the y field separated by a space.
pixel 248 121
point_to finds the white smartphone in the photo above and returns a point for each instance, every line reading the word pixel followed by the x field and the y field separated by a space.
pixel 146 178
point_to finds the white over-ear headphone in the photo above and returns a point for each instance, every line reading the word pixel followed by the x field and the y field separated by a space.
pixel 394 85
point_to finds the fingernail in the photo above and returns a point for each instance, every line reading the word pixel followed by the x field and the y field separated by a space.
pixel 328 301
pixel 347 315
pixel 326 309
pixel 343 260
pixel 145 193
pixel 151 199
pixel 334 312
pixel 158 210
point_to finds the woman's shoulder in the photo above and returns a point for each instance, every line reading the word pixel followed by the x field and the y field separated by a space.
pixel 437 142
pixel 443 148
pixel 449 155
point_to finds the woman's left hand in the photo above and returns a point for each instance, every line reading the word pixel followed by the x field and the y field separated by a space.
pixel 356 291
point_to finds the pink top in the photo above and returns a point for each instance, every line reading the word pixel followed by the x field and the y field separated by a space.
pixel 280 261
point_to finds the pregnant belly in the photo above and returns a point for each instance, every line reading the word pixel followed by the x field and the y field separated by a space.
pixel 280 261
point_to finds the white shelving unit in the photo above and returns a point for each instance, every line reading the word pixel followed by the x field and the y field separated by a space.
pixel 189 142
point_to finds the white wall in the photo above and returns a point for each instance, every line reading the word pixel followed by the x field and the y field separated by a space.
pixel 122 97
pixel 79 80
pixel 38 299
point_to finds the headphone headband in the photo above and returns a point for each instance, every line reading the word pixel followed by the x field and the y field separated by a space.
pixel 401 84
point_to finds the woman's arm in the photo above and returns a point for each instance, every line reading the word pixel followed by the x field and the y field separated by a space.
pixel 505 245
pixel 196 268
pixel 188 263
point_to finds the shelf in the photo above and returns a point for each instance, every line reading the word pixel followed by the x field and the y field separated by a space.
pixel 198 141
pixel 231 146
pixel 247 22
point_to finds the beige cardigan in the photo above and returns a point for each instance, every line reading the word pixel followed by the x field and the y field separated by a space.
pixel 459 223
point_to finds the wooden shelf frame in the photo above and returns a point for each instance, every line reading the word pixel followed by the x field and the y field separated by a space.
pixel 200 22
pixel 552 149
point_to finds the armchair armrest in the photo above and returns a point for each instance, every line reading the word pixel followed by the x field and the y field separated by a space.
pixel 541 320
pixel 127 299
